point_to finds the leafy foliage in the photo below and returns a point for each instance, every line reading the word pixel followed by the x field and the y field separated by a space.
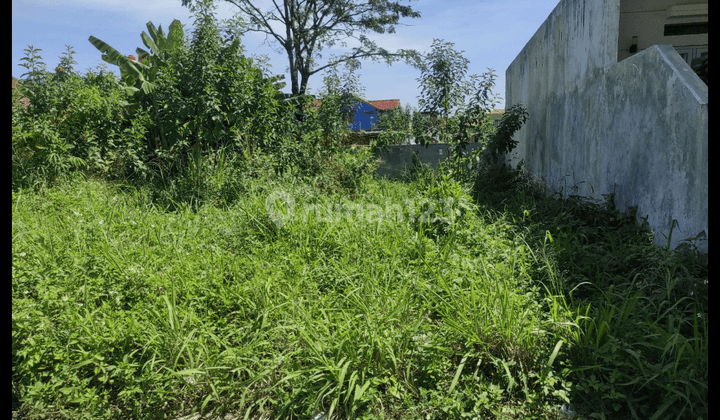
pixel 502 142
pixel 35 67
pixel 442 85
pixel 200 99
pixel 66 67
pixel 456 110
pixel 211 94
pixel 397 119
pixel 640 350
pixel 139 75
pixel 395 126
pixel 71 122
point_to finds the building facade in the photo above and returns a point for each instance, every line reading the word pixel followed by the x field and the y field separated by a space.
pixel 367 113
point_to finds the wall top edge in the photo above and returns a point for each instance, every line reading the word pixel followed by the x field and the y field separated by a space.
pixel 540 29
pixel 684 72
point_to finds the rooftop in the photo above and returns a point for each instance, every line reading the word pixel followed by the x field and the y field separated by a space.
pixel 385 103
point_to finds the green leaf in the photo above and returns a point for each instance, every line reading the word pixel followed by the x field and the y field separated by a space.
pixel 146 87
pixel 343 371
pixel 142 53
pixel 129 72
pixel 360 390
pixel 149 42
pixel 457 373
pixel 67 390
pixel 511 380
pixel 668 402
pixel 154 32
pixel 554 354
pixel 175 34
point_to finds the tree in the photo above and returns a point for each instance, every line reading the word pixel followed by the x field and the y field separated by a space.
pixel 339 100
pixel 442 81
pixel 442 89
pixel 306 27
pixel 139 75
pixel 462 103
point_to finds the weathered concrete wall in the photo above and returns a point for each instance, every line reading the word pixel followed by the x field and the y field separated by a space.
pixel 638 128
pixel 397 157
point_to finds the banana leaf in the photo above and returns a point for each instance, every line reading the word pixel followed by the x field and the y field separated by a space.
pixel 149 42
pixel 175 34
pixel 128 69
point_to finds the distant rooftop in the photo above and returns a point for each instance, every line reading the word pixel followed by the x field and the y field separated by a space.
pixel 385 103
pixel 381 104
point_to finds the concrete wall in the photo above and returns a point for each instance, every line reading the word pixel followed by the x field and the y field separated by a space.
pixel 398 157
pixel 638 128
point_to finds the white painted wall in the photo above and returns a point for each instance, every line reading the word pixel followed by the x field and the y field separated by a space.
pixel 646 19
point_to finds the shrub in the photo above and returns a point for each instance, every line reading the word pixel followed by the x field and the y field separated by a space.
pixel 72 122
pixel 208 96
pixel 39 155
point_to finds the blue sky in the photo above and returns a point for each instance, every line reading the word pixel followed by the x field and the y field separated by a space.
pixel 489 32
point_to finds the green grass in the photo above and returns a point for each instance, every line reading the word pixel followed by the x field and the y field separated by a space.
pixel 504 305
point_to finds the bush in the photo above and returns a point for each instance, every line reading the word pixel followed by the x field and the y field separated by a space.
pixel 39 155
pixel 192 104
pixel 75 122
pixel 112 145
pixel 209 96
pixel 348 170
pixel 387 138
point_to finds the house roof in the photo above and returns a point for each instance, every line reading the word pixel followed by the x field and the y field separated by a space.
pixel 385 103
pixel 496 114
pixel 381 104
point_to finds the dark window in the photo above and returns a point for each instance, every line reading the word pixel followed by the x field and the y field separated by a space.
pixel 369 112
pixel 686 29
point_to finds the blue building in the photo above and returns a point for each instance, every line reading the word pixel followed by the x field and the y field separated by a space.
pixel 367 113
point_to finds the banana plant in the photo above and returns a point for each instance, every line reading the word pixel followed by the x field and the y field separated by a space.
pixel 139 76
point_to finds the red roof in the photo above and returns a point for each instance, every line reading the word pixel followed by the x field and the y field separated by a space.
pixel 385 103
pixel 382 104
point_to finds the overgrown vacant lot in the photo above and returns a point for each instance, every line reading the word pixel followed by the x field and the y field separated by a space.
pixel 403 300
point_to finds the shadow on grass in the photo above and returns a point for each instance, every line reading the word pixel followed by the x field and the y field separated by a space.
pixel 641 349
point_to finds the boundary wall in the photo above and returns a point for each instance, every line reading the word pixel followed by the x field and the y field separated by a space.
pixel 397 158
pixel 637 128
